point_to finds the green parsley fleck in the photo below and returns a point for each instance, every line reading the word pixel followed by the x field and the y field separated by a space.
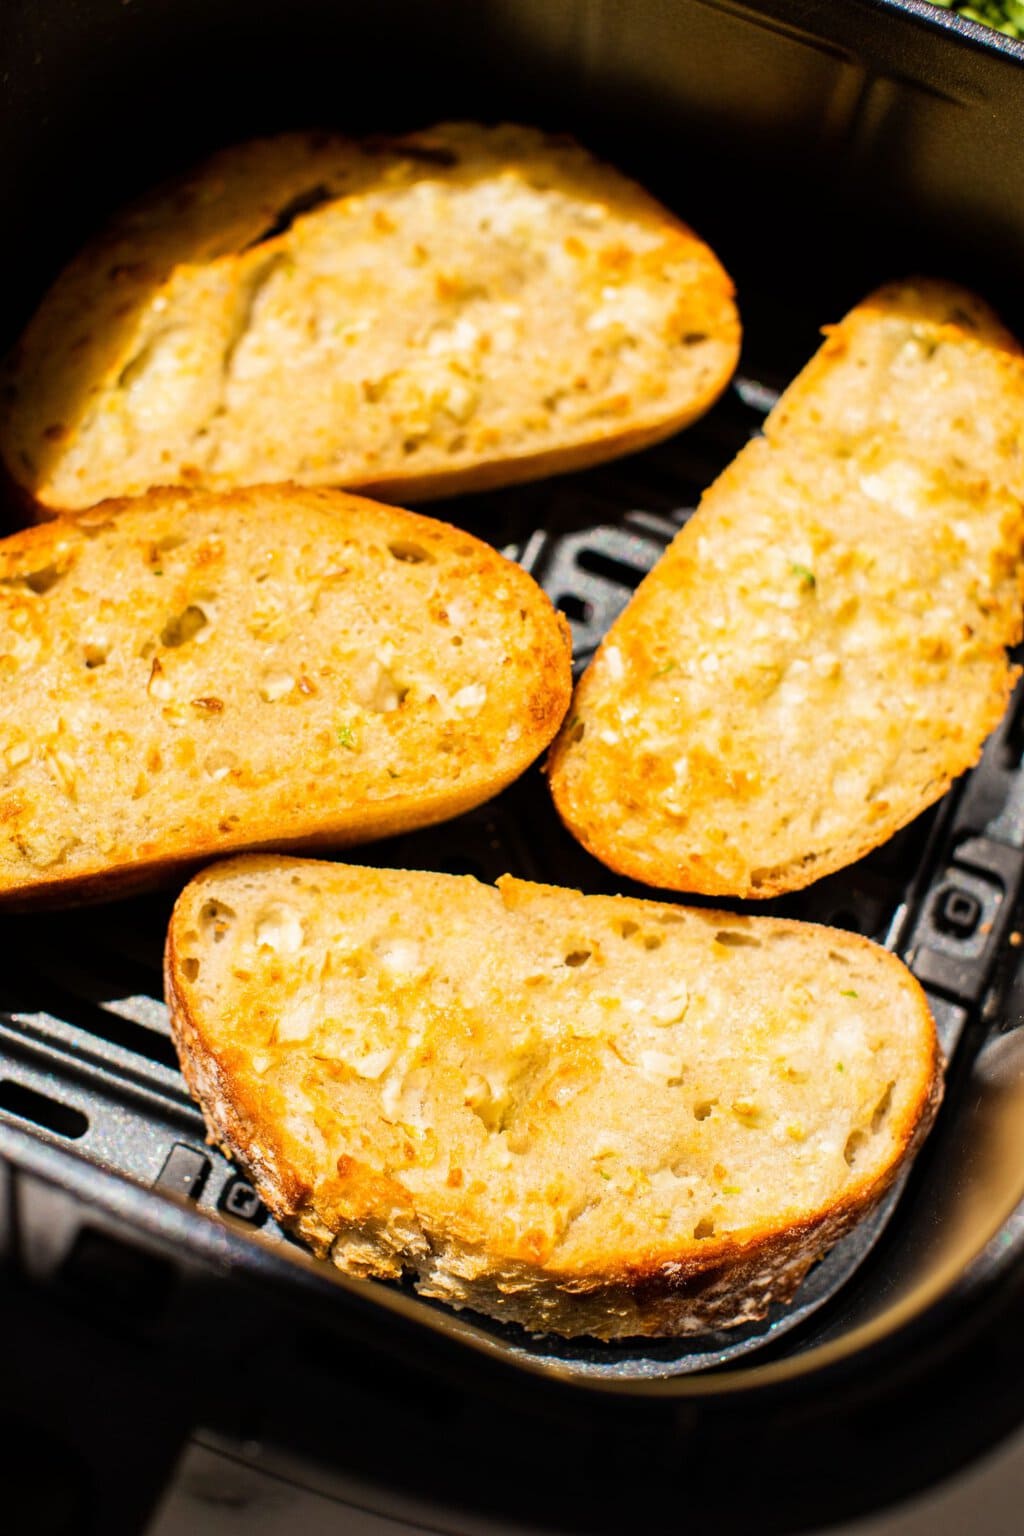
pixel 347 737
pixel 806 575
pixel 158 570
pixel 606 1176
pixel 849 992
pixel 670 666
pixel 840 1067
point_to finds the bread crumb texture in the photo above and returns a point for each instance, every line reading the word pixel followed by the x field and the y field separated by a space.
pixel 186 674
pixel 589 1115
pixel 461 307
pixel 822 650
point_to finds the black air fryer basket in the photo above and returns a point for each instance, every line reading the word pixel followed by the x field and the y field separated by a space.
pixel 820 149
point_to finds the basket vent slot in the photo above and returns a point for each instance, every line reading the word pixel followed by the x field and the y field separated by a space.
pixel 621 571
pixel 575 608
pixel 40 1109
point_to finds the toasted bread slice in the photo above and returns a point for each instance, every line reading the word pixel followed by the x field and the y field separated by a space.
pixel 451 310
pixel 585 1114
pixel 188 674
pixel 822 650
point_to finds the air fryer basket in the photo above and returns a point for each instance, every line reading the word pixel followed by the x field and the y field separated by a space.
pixel 820 150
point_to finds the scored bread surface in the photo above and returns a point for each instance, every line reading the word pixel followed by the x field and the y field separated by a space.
pixel 191 673
pixel 822 650
pixel 588 1115
pixel 457 308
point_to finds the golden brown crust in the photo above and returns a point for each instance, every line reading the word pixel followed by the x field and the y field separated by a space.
pixel 823 649
pixel 156 357
pixel 434 1210
pixel 189 674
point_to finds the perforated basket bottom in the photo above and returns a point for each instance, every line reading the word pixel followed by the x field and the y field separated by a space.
pixel 85 1054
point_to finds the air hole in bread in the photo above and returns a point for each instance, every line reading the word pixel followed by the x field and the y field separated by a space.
pixel 837 958
pixel 882 1108
pixel 183 627
pixel 578 957
pixel 215 918
pixel 37 581
pixel 627 929
pixel 429 154
pixel 653 941
pixel 409 551
pixel 578 731
pixel 703 1108
pixel 92 527
pixel 190 967
pixel 733 939
pixel 479 1098
pixel 170 541
pixel 302 202
pixel 694 338
pixel 854 1142
pixel 410 446
pixel 94 655
pixel 669 919
pixel 704 1228
pixel 456 639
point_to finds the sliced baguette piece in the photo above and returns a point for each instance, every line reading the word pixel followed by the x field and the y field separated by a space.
pixel 459 308
pixel 187 674
pixel 584 1114
pixel 822 650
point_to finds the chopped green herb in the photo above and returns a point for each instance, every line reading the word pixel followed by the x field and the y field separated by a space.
pixel 806 575
pixel 840 1067
pixel 393 775
pixel 670 666
pixel 346 737
pixel 606 1176
pixel 158 570
pixel 849 992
